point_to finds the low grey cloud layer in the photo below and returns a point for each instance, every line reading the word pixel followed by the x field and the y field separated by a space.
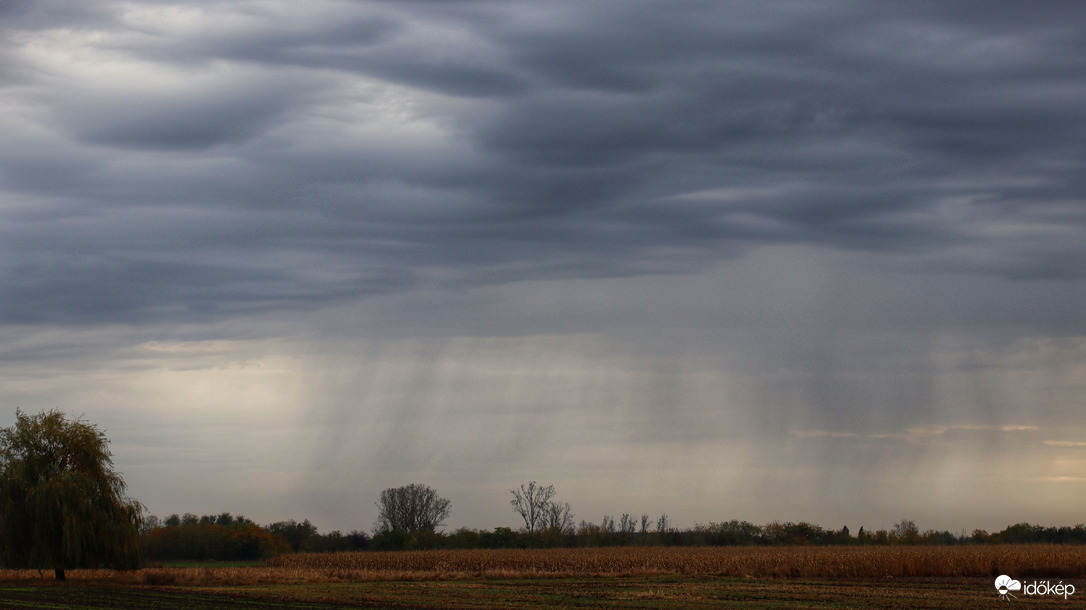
pixel 832 225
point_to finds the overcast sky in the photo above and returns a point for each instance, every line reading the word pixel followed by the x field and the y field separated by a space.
pixel 819 261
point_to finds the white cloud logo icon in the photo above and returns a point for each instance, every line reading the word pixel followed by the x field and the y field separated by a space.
pixel 1005 584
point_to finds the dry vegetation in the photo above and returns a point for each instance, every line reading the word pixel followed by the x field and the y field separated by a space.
pixel 1047 561
pixel 760 562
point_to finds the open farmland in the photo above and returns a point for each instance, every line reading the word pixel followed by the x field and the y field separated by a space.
pixel 1045 561
pixel 646 577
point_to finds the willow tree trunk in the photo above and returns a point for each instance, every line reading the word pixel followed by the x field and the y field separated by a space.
pixel 59 572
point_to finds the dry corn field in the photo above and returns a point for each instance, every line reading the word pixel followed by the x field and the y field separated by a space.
pixel 758 562
pixel 1042 561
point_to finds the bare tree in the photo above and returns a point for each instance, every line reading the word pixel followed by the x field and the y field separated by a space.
pixel 532 503
pixel 559 517
pixel 411 508
pixel 663 524
pixel 905 531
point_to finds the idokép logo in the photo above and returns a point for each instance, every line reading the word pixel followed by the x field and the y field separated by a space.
pixel 1005 585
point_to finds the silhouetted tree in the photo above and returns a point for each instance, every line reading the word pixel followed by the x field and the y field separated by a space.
pixel 608 524
pixel 532 502
pixel 663 524
pixel 905 532
pixel 411 508
pixel 149 523
pixel 559 518
pixel 61 503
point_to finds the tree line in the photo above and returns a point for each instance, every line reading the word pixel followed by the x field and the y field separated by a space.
pixel 409 518
pixel 222 537
pixel 225 537
pixel 609 532
pixel 62 506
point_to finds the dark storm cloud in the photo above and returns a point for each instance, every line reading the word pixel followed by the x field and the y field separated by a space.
pixel 239 157
pixel 193 120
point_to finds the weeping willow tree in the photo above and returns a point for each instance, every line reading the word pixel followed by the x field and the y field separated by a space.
pixel 62 506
